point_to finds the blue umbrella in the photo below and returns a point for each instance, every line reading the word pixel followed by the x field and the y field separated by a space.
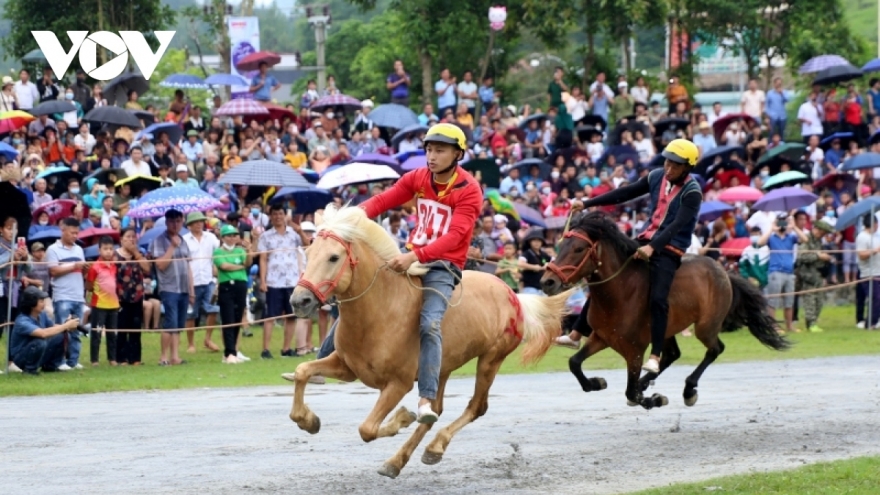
pixel 47 236
pixel 264 173
pixel 173 130
pixel 525 165
pixel 226 80
pixel 332 168
pixel 711 210
pixel 183 81
pixel 400 157
pixel 872 66
pixel 836 135
pixel 8 151
pixel 313 177
pixel 61 175
pixel 621 153
pixel 157 230
pixel 410 129
pixel 393 115
pixel 415 162
pixel 851 215
pixel 860 161
pixel 307 201
pixel 785 199
pixel 530 215
pixel 378 159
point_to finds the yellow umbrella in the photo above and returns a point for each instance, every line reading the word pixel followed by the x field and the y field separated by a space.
pixel 13 120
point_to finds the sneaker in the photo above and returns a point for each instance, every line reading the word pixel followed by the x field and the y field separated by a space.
pixel 242 357
pixel 814 329
pixel 288 353
pixel 78 366
pixel 326 307
pixel 652 366
pixel 566 341
pixel 266 354
pixel 426 415
pixel 13 368
pixel 230 360
pixel 861 325
pixel 64 367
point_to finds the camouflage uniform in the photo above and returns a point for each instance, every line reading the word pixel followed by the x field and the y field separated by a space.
pixel 808 272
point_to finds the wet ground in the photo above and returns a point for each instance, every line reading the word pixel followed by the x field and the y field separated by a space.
pixel 541 435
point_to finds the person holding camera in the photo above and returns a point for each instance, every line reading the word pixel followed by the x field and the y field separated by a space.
pixel 35 343
pixel 780 280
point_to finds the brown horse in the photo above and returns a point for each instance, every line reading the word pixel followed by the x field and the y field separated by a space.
pixel 377 340
pixel 702 294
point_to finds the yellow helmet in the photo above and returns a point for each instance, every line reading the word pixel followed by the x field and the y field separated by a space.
pixel 447 133
pixel 682 151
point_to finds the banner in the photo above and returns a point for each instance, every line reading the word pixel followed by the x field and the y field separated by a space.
pixel 244 39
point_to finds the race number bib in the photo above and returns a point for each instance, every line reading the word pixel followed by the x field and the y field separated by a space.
pixel 433 221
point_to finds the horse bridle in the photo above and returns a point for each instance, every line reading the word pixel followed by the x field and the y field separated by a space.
pixel 567 272
pixel 323 289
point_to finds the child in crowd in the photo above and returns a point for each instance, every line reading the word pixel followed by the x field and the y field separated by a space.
pixel 104 303
pixel 508 267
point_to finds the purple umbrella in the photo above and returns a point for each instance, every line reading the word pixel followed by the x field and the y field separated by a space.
pixel 711 210
pixel 418 161
pixel 377 159
pixel 785 199
pixel 184 199
pixel 530 215
pixel 822 62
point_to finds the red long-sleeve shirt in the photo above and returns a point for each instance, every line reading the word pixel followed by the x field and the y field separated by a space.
pixel 446 213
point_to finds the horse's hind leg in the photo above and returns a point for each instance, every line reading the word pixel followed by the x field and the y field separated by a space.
pixel 393 465
pixel 671 353
pixel 594 344
pixel 714 348
pixel 330 367
pixel 487 368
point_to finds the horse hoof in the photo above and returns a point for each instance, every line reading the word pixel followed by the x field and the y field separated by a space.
pixel 601 384
pixel 631 403
pixel 693 400
pixel 313 426
pixel 430 458
pixel 660 400
pixel 291 377
pixel 389 470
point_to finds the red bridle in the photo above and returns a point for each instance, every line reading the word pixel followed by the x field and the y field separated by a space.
pixel 568 272
pixel 329 285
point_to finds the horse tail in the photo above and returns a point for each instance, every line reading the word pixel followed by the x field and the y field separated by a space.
pixel 541 322
pixel 749 308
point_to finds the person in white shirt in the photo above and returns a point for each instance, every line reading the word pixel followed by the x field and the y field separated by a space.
pixel 763 220
pixel 734 136
pixel 640 91
pixel 595 148
pixel 715 114
pixel 135 165
pixel 84 139
pixel 753 100
pixel 201 244
pixel 816 155
pixel 467 92
pixel 576 105
pixel 107 212
pixel 26 91
pixel 643 146
pixel 600 80
pixel 868 251
pixel 810 117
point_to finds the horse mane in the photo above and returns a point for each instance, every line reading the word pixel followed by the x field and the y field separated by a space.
pixel 599 227
pixel 352 224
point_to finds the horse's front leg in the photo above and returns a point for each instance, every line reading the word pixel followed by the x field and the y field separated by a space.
pixel 389 397
pixel 634 395
pixel 329 367
pixel 593 345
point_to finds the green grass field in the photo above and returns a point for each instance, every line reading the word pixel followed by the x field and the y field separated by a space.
pixel 859 476
pixel 204 369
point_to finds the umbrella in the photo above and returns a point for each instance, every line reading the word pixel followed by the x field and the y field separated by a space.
pixel 846 137
pixel 378 159
pixel 410 129
pixel 596 121
pixel 821 62
pixel 92 252
pixel 113 116
pixel 158 229
pixel 241 106
pixel 837 74
pixel 851 215
pixel 57 209
pixel 414 162
pixel 275 112
pixel 253 61
pixel 632 126
pixel 727 176
pixel 525 165
pixel 264 173
pixel 146 117
pixel 183 81
pixel 740 193
pixel 785 199
pixel 13 120
pixel 393 115
pixel 538 117
pixel 485 170
pixel 311 176
pixel 305 200
pixel 792 152
pixel 51 107
pixel 788 178
pixel 92 234
pixel 721 124
pixel 860 161
pixel 226 80
pixel 346 102
pixel 183 199
pixel 61 173
pixel 404 156
pixel 711 210
pixel 721 152
pixel 138 183
pixel 34 56
pixel 15 205
pixel 555 222
pixel 621 152
pixel 735 247
pixel 355 173
pixel 47 236
pixel 8 151
pixel 174 131
pixel 529 215
pixel 106 176
pixel 116 91
pixel 872 66
pixel 727 166
pixel 829 180
pixel 585 133
pixel 663 124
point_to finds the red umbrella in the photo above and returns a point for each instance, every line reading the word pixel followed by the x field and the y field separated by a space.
pixel 58 209
pixel 830 179
pixel 241 106
pixel 252 61
pixel 91 235
pixel 276 112
pixel 727 175
pixel 735 247
pixel 721 124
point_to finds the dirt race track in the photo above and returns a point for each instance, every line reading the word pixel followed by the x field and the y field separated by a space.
pixel 541 435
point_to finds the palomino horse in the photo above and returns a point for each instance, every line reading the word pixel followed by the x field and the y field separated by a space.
pixel 702 294
pixel 377 340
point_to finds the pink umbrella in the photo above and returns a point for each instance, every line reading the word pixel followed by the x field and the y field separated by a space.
pixel 58 209
pixel 740 193
pixel 735 247
pixel 241 107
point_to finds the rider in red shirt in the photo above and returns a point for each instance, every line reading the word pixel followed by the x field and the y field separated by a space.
pixel 448 203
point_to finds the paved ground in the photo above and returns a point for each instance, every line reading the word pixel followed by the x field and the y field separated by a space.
pixel 541 435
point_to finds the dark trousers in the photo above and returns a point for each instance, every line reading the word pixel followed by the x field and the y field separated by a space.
pixel 862 293
pixel 128 344
pixel 662 265
pixel 40 353
pixel 106 319
pixel 232 299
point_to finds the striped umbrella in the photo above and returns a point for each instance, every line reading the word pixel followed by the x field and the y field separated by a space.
pixel 183 199
pixel 183 81
pixel 14 120
pixel 264 173
pixel 226 80
pixel 822 62
pixel 241 106
pixel 345 101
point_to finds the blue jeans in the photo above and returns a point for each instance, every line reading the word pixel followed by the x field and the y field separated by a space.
pixel 175 305
pixel 40 353
pixel 778 125
pixel 433 308
pixel 202 306
pixel 64 309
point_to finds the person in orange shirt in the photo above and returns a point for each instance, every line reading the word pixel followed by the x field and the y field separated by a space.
pixel 675 93
pixel 101 281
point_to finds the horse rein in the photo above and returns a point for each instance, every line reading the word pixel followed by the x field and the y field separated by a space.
pixel 567 272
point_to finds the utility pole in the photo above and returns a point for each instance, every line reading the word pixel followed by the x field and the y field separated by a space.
pixel 247 8
pixel 319 18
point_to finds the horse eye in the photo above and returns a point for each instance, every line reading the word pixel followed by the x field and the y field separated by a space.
pixel 334 258
pixel 579 249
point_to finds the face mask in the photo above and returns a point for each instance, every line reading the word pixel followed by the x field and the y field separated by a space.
pixel 255 212
pixel 829 214
pixel 16 142
pixel 330 115
pixel 68 96
pixel 513 193
pixel 74 190
pixel 44 222
pixel 554 174
pixel 228 247
pixel 764 175
pixel 624 218
pixel 754 239
pixel 546 190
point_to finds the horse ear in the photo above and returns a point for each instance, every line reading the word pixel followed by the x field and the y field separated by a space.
pixel 319 218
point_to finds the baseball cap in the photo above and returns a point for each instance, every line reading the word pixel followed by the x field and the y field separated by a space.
pixel 308 227
pixel 228 230
pixel 31 296
pixel 37 246
pixel 182 168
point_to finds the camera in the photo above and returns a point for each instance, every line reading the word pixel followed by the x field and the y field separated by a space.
pixel 84 329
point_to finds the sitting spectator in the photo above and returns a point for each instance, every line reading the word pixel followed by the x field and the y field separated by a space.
pixel 37 344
